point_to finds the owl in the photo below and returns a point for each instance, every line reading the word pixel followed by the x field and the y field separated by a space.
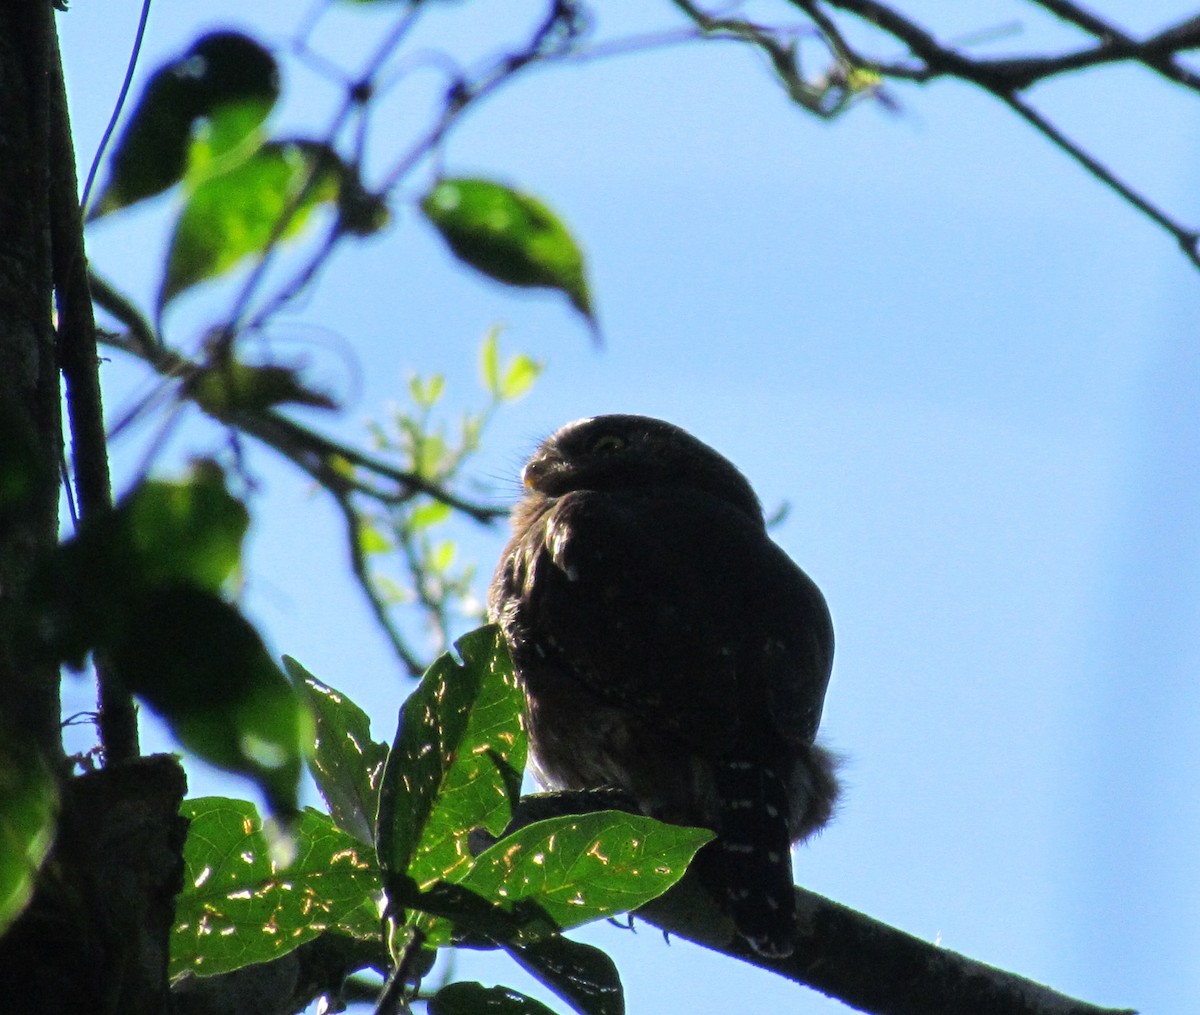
pixel 669 648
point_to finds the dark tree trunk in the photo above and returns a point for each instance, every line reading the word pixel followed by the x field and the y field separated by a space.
pixel 30 427
pixel 95 936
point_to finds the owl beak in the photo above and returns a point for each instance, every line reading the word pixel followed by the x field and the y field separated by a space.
pixel 535 473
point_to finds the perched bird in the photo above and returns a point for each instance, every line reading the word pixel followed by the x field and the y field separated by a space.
pixel 667 647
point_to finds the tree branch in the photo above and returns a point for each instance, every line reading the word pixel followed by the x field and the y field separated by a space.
pixel 842 953
pixel 80 364
pixel 867 964
pixel 1005 79
pixel 311 451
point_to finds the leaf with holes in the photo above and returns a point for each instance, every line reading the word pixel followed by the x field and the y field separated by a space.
pixel 346 763
pixel 456 763
pixel 240 906
pixel 585 867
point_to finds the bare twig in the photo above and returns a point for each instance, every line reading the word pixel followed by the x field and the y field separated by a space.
pixel 358 565
pixel 928 59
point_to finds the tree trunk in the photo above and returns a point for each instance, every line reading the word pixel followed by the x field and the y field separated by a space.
pixel 30 422
pixel 95 935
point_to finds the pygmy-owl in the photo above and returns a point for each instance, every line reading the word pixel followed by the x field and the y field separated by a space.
pixel 667 647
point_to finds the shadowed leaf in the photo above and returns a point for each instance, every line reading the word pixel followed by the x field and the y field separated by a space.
pixel 224 81
pixel 583 976
pixel 509 236
pixel 203 668
pixel 469 998
pixel 346 763
pixel 28 811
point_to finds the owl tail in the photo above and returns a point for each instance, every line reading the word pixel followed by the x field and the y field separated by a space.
pixel 752 857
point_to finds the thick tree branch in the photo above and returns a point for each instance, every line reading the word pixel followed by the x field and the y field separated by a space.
pixel 842 953
pixel 867 964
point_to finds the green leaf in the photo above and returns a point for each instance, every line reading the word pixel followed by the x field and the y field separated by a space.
pixel 489 362
pixel 583 976
pixel 519 376
pixel 229 386
pixel 579 868
pixel 346 763
pixel 188 532
pixel 28 812
pixel 426 514
pixel 426 393
pixel 442 556
pixel 225 80
pixel 456 761
pixel 371 540
pixel 509 236
pixel 203 668
pixel 238 213
pixel 239 906
pixel 470 998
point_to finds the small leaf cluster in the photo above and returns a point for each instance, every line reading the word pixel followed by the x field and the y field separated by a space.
pixel 414 529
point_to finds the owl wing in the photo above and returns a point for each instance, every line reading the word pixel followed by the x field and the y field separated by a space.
pixel 679 604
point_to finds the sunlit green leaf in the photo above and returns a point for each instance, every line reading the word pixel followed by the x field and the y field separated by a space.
pixel 509 236
pixel 489 362
pixel 426 393
pixel 470 998
pixel 235 214
pixel 456 762
pixel 519 376
pixel 371 540
pixel 225 81
pixel 28 811
pixel 346 763
pixel 428 513
pixel 579 868
pixel 238 906
pixel 443 555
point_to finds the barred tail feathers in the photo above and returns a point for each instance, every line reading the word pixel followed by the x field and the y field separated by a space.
pixel 753 861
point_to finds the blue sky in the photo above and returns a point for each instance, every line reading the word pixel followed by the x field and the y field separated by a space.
pixel 970 371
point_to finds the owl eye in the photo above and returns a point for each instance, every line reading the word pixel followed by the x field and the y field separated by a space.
pixel 607 444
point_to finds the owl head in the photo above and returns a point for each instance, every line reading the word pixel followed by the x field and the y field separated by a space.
pixel 623 452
